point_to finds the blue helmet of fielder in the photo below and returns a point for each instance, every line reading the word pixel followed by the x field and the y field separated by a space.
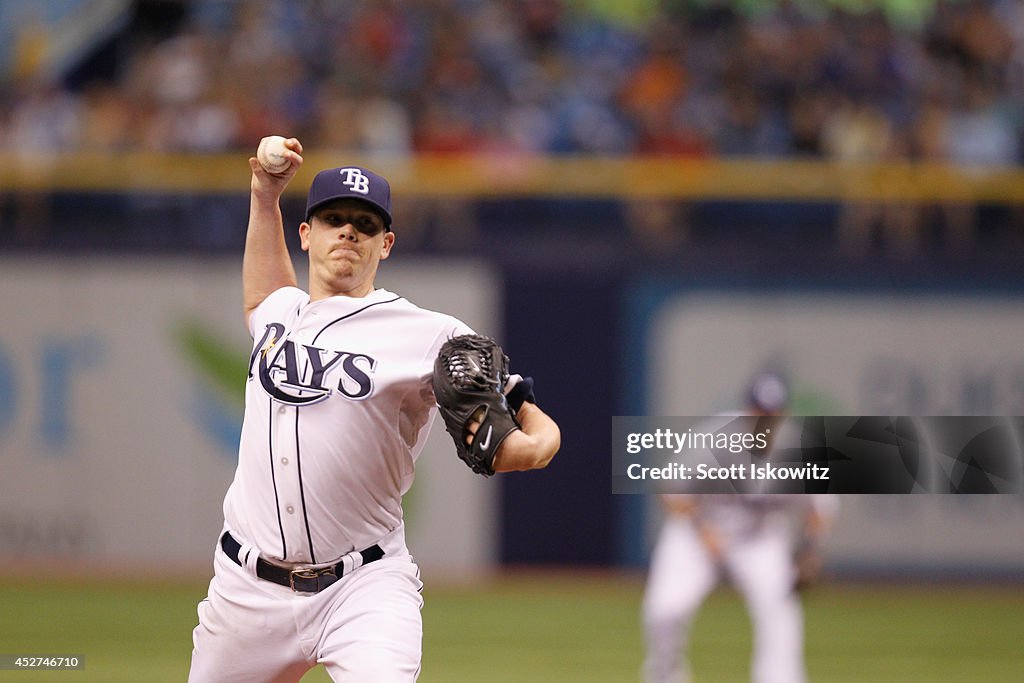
pixel 768 392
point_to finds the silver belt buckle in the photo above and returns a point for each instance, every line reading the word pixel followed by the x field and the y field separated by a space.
pixel 316 574
pixel 301 573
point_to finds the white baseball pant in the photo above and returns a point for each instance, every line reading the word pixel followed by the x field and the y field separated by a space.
pixel 365 627
pixel 682 573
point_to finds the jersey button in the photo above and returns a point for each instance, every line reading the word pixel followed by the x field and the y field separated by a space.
pixel 290 509
pixel 284 461
pixel 282 410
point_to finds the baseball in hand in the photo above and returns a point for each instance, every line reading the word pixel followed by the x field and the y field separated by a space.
pixel 271 154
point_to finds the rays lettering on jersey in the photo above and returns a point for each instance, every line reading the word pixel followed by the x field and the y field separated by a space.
pixel 296 374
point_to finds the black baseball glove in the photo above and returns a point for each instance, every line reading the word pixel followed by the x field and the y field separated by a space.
pixel 470 378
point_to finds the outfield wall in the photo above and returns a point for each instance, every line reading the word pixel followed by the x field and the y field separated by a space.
pixel 121 384
pixel 120 392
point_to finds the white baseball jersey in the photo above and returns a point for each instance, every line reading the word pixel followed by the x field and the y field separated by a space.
pixel 338 407
pixel 739 516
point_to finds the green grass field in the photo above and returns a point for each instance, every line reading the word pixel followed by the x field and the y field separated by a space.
pixel 549 627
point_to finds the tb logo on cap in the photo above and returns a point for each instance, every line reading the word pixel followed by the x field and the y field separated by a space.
pixel 355 179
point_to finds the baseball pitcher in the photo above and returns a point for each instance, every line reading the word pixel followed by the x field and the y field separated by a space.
pixel 311 565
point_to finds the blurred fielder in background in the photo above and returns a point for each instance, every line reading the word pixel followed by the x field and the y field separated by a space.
pixel 312 565
pixel 747 540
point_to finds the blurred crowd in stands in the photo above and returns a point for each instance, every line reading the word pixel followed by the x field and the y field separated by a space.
pixel 549 76
pixel 544 76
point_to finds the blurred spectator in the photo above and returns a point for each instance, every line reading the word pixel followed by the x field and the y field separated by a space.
pixel 108 118
pixel 46 120
pixel 978 136
pixel 43 122
pixel 858 134
pixel 747 128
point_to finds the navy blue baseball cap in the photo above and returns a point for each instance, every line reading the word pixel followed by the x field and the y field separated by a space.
pixel 350 182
